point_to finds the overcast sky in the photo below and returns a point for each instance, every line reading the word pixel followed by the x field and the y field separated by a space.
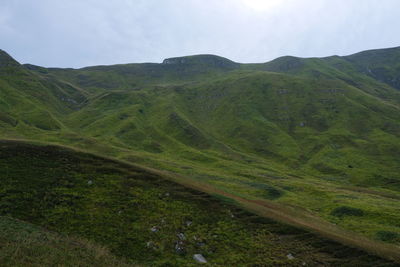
pixel 77 33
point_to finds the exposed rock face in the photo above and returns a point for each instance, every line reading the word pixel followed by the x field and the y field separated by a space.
pixel 204 60
pixel 174 61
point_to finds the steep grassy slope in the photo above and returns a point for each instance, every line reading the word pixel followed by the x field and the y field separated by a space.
pixel 30 103
pixel 320 136
pixel 381 64
pixel 141 216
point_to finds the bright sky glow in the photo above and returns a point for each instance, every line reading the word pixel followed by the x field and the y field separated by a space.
pixel 262 5
pixel 78 33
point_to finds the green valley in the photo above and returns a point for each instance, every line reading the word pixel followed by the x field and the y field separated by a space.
pixel 288 148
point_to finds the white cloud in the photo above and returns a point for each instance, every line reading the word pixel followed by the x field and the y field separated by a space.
pixel 87 32
pixel 5 15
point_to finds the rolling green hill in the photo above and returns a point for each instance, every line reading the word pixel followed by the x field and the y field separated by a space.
pixel 138 215
pixel 316 138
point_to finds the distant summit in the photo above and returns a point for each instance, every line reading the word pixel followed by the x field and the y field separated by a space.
pixel 204 60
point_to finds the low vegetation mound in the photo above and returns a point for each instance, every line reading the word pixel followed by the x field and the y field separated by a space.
pixel 347 211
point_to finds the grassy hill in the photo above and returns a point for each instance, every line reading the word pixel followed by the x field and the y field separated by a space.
pixel 138 215
pixel 318 137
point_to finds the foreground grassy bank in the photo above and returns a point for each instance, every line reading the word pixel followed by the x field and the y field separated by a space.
pixel 147 219
pixel 24 244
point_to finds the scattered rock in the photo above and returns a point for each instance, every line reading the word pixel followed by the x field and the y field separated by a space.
pixel 188 223
pixel 179 247
pixel 90 182
pixel 199 258
pixel 181 236
pixel 290 256
pixel 231 214
pixel 167 194
pixel 154 229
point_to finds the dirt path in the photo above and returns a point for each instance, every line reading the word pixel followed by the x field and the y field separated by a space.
pixel 298 218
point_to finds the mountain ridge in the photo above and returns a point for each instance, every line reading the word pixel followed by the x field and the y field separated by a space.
pixel 221 58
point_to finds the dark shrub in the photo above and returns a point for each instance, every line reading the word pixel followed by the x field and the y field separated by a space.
pixel 387 236
pixel 347 211
pixel 273 193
